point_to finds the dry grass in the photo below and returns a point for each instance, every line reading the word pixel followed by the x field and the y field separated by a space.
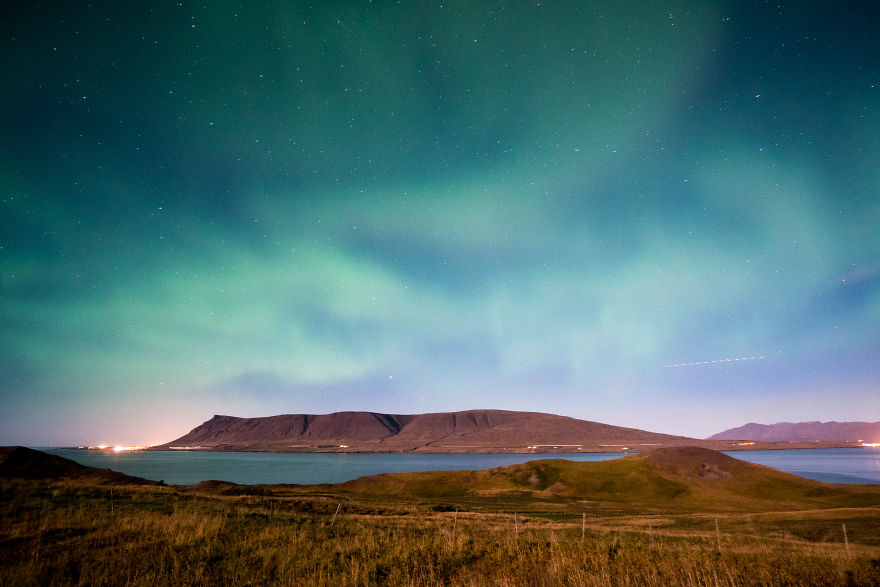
pixel 72 534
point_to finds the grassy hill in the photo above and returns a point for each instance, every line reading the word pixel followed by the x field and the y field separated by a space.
pixel 679 516
pixel 686 479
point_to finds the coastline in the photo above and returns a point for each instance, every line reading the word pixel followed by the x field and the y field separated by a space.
pixel 380 448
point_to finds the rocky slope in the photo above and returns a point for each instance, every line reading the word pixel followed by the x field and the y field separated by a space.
pixel 469 431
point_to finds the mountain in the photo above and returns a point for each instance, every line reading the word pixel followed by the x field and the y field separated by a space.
pixel 469 431
pixel 18 462
pixel 665 479
pixel 804 432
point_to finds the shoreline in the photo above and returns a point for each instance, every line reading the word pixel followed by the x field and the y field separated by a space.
pixel 549 449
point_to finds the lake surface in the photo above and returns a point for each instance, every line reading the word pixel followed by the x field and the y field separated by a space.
pixel 833 465
pixel 185 467
pixel 843 465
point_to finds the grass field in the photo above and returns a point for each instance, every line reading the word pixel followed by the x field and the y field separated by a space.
pixel 74 533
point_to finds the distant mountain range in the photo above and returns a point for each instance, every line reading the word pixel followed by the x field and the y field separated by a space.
pixel 804 432
pixel 469 431
pixel 474 431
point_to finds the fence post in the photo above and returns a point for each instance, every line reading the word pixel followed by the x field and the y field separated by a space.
pixel 845 540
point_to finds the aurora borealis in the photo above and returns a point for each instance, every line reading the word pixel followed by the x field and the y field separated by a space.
pixel 584 208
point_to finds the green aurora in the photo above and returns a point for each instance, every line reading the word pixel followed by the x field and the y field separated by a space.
pixel 584 208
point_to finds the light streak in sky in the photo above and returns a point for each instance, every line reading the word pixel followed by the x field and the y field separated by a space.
pixel 716 361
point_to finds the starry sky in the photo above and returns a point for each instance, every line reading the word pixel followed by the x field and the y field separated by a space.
pixel 661 215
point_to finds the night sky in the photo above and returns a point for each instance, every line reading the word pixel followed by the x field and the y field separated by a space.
pixel 661 215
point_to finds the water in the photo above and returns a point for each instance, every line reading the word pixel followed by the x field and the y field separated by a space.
pixel 838 465
pixel 186 467
pixel 832 465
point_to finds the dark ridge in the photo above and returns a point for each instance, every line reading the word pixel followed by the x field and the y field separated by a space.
pixel 18 462
pixel 392 423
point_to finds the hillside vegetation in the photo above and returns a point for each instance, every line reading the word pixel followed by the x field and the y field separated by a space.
pixel 676 479
pixel 672 517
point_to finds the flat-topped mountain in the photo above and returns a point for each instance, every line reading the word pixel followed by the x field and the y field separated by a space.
pixel 468 431
pixel 804 432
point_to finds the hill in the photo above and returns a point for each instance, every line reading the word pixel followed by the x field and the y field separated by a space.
pixel 804 432
pixel 18 462
pixel 469 431
pixel 682 479
pixel 678 516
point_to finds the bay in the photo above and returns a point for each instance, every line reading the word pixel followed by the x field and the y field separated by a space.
pixel 846 465
pixel 186 467
pixel 832 465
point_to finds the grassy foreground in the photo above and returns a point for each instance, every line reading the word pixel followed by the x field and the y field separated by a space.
pixel 74 533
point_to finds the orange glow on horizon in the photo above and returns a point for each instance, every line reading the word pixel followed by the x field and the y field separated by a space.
pixel 128 448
